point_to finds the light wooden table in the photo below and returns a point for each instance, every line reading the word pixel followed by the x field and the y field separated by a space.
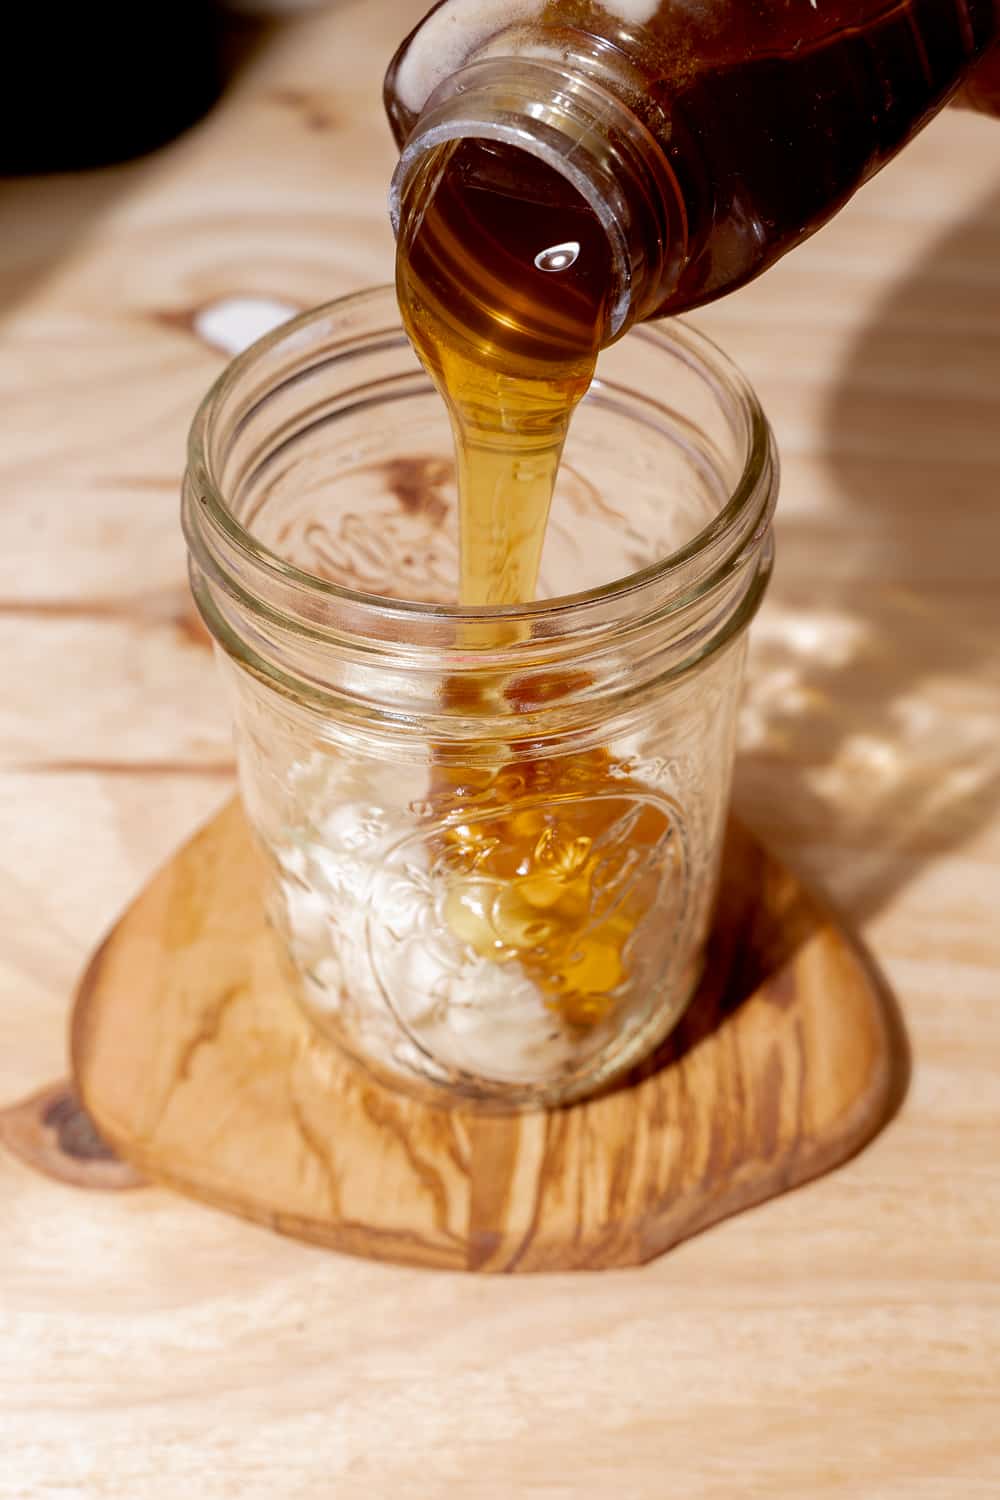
pixel 841 1341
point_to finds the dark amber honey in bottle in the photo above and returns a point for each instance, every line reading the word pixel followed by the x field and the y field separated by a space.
pixel 753 123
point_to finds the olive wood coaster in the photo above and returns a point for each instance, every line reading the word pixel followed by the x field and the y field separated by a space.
pixel 196 1064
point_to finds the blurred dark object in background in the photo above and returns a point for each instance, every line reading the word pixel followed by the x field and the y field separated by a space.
pixel 99 81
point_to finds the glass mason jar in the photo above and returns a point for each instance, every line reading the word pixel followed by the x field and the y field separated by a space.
pixel 493 835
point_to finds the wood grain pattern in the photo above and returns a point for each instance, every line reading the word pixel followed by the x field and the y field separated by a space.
pixel 842 1341
pixel 194 1060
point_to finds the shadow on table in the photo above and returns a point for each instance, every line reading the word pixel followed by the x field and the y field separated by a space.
pixel 878 672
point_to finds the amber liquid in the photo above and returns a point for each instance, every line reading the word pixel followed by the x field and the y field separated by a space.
pixel 770 115
pixel 503 277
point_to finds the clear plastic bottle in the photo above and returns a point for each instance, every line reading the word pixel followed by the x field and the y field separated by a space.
pixel 708 140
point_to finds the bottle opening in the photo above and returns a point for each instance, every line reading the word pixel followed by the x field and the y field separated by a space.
pixel 556 146
pixel 507 257
pixel 518 219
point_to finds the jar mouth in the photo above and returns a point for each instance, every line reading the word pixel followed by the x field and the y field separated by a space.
pixel 310 602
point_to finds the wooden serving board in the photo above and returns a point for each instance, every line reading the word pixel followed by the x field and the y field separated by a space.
pixel 197 1065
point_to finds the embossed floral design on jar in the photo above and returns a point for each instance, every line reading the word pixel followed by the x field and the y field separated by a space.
pixel 493 835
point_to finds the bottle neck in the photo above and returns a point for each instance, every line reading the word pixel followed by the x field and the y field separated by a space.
pixel 583 130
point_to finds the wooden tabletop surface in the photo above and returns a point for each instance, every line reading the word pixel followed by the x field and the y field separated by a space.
pixel 843 1340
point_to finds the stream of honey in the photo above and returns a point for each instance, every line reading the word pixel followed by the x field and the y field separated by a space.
pixel 503 278
pixel 503 275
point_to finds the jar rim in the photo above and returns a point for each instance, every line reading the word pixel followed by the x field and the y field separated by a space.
pixel 756 484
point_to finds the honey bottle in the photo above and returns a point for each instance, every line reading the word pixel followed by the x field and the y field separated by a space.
pixel 706 140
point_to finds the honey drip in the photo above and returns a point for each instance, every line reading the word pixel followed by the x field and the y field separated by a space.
pixel 503 276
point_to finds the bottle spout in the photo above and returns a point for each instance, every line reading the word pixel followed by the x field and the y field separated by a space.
pixel 590 138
